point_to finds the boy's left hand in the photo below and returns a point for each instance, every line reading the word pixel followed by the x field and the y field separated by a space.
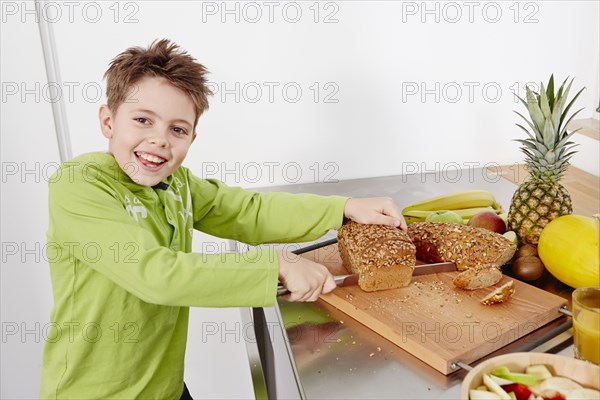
pixel 375 210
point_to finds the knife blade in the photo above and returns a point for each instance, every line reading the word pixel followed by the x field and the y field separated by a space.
pixel 425 269
pixel 352 279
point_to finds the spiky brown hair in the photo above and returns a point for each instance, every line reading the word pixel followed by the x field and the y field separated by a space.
pixel 163 59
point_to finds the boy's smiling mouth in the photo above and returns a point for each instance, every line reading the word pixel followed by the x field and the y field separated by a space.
pixel 149 160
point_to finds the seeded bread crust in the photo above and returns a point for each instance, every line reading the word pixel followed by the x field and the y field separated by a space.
pixel 479 277
pixel 464 245
pixel 500 295
pixel 382 256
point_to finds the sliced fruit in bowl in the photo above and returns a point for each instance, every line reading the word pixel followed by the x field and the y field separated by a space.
pixel 532 376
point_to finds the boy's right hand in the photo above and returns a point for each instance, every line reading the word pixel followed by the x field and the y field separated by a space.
pixel 305 279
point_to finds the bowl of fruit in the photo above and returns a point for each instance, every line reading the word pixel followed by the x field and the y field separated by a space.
pixel 532 376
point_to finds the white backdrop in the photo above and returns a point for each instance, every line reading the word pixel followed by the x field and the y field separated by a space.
pixel 305 91
pixel 366 90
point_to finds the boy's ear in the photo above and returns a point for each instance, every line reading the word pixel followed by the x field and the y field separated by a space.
pixel 105 116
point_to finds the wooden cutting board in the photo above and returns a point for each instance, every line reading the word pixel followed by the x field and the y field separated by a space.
pixel 437 322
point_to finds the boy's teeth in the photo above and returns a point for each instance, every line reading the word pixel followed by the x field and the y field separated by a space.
pixel 151 158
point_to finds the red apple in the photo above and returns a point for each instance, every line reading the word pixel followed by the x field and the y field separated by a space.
pixel 488 220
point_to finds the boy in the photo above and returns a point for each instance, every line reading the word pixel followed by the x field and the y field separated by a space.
pixel 120 235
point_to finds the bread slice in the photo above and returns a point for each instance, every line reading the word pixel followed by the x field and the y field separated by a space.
pixel 382 256
pixel 464 245
pixel 499 295
pixel 479 277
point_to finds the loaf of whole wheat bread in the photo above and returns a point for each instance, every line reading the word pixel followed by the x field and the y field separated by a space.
pixel 479 277
pixel 382 256
pixel 464 245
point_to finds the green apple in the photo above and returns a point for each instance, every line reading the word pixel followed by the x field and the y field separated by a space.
pixel 494 387
pixel 540 371
pixel 482 395
pixel 512 236
pixel 444 216
pixel 516 377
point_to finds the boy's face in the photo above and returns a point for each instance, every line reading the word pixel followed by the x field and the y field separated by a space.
pixel 150 133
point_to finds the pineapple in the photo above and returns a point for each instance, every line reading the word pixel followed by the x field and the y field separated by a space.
pixel 547 151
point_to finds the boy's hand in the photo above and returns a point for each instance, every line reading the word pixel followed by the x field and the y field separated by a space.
pixel 305 279
pixel 375 210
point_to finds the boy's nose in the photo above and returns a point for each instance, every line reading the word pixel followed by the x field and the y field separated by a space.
pixel 158 139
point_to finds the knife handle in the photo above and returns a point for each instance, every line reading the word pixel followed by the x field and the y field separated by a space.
pixel 338 279
pixel 282 290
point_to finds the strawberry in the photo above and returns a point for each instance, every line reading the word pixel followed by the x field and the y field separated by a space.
pixel 521 391
pixel 550 395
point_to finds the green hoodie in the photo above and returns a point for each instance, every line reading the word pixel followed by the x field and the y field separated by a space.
pixel 124 276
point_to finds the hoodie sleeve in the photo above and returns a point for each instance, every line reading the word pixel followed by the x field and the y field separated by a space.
pixel 256 218
pixel 90 228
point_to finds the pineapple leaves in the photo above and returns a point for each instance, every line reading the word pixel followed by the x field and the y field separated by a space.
pixel 568 156
pixel 563 142
pixel 549 134
pixel 558 108
pixel 533 128
pixel 562 117
pixel 544 103
pixel 526 131
pixel 568 146
pixel 534 110
pixel 530 147
pixel 528 154
pixel 520 98
pixel 564 129
pixel 550 92
pixel 547 146
pixel 562 86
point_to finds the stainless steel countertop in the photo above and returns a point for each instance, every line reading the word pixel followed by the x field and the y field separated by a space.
pixel 333 356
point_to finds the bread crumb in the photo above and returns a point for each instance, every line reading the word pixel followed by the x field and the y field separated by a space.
pixel 469 315
pixel 378 348
pixel 371 354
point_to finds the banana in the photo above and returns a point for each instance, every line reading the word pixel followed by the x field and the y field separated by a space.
pixel 470 212
pixel 466 214
pixel 456 201
pixel 410 219
pixel 417 214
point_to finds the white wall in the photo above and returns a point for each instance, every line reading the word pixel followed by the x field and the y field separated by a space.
pixel 29 156
pixel 379 60
pixel 387 75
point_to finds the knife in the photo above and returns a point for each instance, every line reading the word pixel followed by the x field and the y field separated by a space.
pixel 340 280
pixel 426 269
pixel 352 279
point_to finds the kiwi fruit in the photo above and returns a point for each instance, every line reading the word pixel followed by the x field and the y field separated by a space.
pixel 528 268
pixel 527 250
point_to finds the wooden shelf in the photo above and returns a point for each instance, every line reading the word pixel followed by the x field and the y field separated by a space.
pixel 589 127
pixel 583 187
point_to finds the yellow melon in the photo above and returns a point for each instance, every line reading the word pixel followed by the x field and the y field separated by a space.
pixel 568 247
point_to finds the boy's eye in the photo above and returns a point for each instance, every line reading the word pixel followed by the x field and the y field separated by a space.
pixel 141 120
pixel 180 131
